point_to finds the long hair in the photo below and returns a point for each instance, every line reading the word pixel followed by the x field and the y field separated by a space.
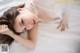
pixel 8 19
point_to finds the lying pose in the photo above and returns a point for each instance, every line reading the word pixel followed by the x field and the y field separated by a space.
pixel 20 19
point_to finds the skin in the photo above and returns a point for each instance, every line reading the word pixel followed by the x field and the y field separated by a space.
pixel 29 19
pixel 30 23
pixel 64 22
pixel 63 25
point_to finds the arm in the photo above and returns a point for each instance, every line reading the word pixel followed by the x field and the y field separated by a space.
pixel 31 43
pixel 46 15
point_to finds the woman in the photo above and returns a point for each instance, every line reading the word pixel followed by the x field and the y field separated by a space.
pixel 20 19
pixel 16 20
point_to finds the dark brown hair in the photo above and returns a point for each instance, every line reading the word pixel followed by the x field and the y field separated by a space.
pixel 8 19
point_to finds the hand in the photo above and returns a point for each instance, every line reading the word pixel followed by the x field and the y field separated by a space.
pixel 63 24
pixel 2 31
pixel 6 31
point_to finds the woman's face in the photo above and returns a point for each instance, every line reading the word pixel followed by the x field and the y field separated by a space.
pixel 25 20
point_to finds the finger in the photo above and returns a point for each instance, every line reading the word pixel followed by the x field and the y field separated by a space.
pixel 2 31
pixel 63 28
pixel 59 26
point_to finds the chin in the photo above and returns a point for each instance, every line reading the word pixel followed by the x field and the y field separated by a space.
pixel 30 28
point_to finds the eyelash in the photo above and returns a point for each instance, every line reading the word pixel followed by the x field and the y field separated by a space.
pixel 22 21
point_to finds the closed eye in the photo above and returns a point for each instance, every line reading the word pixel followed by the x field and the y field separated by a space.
pixel 21 23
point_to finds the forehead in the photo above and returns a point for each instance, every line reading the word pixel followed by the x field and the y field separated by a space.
pixel 19 18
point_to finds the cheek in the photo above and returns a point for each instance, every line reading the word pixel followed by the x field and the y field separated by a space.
pixel 18 28
pixel 29 26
